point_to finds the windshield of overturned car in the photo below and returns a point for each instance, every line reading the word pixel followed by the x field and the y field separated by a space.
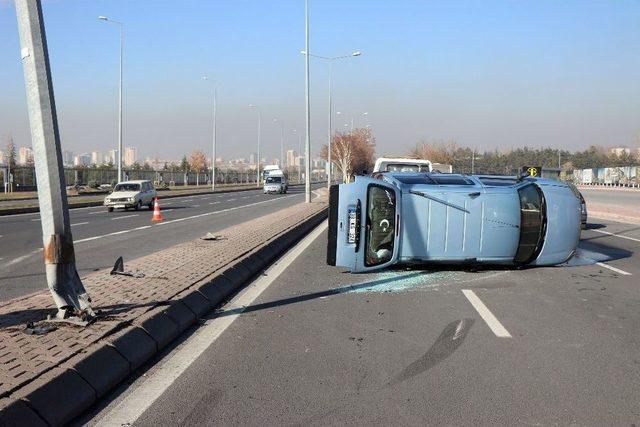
pixel 381 225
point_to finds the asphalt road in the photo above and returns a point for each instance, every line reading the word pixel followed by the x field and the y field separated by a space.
pixel 614 197
pixel 408 347
pixel 101 237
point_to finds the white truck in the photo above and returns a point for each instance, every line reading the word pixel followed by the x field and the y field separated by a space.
pixel 388 164
pixel 275 182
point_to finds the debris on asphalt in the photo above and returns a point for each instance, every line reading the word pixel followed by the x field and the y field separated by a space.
pixel 118 269
pixel 39 329
pixel 211 236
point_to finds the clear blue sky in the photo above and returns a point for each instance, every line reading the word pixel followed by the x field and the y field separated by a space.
pixel 486 73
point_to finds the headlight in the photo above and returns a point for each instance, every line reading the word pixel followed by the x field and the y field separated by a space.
pixel 131 199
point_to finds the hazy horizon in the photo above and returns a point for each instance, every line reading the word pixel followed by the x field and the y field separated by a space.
pixel 487 75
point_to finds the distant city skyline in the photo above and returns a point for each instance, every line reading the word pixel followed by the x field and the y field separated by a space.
pixel 489 75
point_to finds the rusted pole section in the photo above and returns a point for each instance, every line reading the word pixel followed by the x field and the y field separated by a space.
pixel 62 278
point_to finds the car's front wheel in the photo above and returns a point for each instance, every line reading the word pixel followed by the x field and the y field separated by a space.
pixel 137 205
pixel 109 209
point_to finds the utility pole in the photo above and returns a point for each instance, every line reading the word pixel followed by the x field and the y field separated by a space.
pixel 299 154
pixel 329 124
pixel 119 157
pixel 473 161
pixel 215 131
pixel 213 149
pixel 67 290
pixel 259 133
pixel 307 157
pixel 559 163
pixel 276 120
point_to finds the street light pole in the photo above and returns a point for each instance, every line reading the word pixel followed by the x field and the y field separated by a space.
pixel 121 27
pixel 299 154
pixel 63 281
pixel 330 128
pixel 307 159
pixel 331 59
pixel 213 148
pixel 259 132
pixel 473 161
pixel 281 141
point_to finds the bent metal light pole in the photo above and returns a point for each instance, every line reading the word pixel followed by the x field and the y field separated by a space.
pixel 65 285
pixel 119 158
pixel 259 132
pixel 331 59
pixel 213 149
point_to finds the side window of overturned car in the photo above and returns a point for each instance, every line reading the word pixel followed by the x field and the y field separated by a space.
pixel 380 225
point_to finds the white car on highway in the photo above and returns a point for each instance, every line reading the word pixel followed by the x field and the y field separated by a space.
pixel 131 194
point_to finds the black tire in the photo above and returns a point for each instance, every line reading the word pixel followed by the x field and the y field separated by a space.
pixel 137 205
pixel 150 205
pixel 109 209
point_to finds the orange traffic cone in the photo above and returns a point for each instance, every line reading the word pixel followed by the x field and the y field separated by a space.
pixel 157 216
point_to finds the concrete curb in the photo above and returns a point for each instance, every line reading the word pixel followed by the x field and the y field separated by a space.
pixel 65 392
pixel 161 195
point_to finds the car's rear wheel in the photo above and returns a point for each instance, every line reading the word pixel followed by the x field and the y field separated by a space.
pixel 137 205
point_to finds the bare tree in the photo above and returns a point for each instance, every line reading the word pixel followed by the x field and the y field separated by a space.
pixel 197 161
pixel 352 152
pixel 435 151
pixel 11 153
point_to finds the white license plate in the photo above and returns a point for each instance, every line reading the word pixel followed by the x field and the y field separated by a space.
pixel 352 226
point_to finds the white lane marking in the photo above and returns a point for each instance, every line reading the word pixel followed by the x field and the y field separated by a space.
pixel 94 213
pixel 79 223
pixel 187 200
pixel 176 220
pixel 230 200
pixel 617 270
pixel 214 203
pixel 154 385
pixel 35 220
pixel 491 320
pixel 222 210
pixel 195 206
pixel 123 217
pixel 617 235
pixel 115 233
pixel 22 258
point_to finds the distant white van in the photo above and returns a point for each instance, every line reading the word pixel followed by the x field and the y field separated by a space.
pixel 388 164
pixel 270 169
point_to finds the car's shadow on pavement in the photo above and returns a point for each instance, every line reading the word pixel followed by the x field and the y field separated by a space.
pixel 592 226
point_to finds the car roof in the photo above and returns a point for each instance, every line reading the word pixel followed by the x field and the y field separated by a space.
pixel 138 181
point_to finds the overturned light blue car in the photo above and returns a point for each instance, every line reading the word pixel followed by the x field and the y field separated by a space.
pixel 417 218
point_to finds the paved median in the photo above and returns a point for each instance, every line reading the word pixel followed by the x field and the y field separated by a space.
pixel 53 377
